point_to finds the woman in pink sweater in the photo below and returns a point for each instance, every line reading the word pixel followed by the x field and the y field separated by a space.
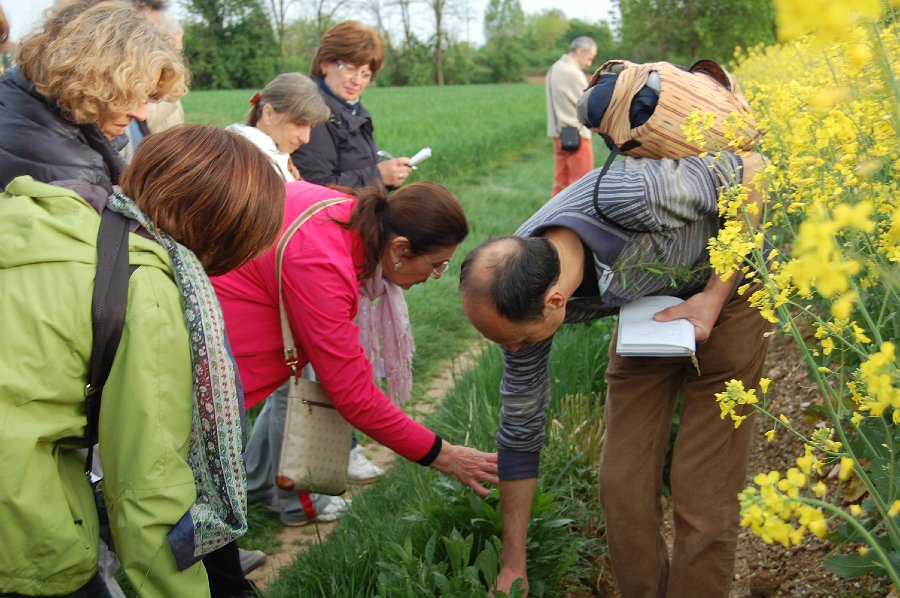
pixel 335 265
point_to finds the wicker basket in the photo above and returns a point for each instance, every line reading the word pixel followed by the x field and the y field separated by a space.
pixel 705 86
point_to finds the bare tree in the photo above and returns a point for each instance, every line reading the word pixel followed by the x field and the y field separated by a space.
pixel 405 19
pixel 376 9
pixel 278 10
pixel 326 11
pixel 439 12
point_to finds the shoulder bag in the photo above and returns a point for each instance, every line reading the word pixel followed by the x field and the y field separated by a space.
pixel 315 448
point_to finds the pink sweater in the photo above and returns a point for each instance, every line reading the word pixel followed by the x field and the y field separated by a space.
pixel 321 293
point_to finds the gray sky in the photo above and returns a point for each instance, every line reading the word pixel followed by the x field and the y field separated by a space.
pixel 24 15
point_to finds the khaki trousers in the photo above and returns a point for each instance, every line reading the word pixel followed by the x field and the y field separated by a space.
pixel 708 466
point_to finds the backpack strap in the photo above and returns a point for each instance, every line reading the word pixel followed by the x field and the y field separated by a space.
pixel 108 304
pixel 614 151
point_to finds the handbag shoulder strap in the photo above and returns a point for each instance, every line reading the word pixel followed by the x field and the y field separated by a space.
pixel 290 352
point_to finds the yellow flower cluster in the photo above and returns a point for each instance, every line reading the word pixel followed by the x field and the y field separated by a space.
pixel 775 510
pixel 696 125
pixel 879 373
pixel 831 137
pixel 827 18
pixel 827 102
pixel 733 396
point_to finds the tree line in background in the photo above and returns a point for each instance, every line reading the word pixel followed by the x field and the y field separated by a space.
pixel 238 44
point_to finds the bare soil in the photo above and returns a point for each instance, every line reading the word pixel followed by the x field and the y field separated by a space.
pixel 761 570
pixel 765 570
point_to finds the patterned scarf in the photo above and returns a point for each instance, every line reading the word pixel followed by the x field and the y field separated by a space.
pixel 389 322
pixel 214 455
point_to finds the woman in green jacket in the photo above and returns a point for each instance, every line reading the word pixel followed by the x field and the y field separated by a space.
pixel 169 427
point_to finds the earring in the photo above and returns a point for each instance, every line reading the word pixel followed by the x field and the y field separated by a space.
pixel 397 265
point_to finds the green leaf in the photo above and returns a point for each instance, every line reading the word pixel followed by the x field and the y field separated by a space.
pixel 853 565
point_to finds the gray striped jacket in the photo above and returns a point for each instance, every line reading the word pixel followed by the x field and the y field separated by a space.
pixel 651 238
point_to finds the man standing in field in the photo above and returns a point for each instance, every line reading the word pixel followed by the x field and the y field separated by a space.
pixel 564 85
pixel 570 263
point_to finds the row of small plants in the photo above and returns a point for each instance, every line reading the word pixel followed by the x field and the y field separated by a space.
pixel 827 101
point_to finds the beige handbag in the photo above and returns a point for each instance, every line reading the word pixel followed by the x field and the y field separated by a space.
pixel 315 449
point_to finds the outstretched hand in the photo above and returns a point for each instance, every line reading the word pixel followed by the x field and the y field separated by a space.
pixel 506 583
pixel 701 310
pixel 469 466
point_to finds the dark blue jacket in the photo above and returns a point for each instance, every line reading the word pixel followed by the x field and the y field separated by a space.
pixel 341 151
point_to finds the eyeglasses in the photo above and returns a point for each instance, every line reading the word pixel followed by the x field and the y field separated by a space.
pixel 354 71
pixel 440 269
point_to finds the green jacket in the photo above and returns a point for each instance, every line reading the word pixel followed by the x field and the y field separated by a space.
pixel 48 522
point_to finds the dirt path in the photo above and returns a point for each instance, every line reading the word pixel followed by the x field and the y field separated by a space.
pixel 296 539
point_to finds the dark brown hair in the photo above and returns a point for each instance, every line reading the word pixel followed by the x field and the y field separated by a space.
pixel 350 42
pixel 212 190
pixel 427 214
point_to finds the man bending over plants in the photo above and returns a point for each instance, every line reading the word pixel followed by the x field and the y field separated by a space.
pixel 642 230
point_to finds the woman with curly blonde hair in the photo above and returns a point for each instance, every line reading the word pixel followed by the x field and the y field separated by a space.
pixel 80 79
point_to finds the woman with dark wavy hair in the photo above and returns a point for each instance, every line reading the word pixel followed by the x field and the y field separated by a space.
pixel 366 248
pixel 201 201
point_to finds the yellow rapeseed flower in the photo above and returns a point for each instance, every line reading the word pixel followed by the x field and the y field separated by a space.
pixel 894 509
pixel 846 469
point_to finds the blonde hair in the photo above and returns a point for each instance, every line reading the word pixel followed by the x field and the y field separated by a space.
pixel 293 95
pixel 93 58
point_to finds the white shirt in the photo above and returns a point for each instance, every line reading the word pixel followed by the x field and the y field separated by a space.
pixel 278 158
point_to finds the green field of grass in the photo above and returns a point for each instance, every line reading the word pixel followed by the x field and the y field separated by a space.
pixel 490 149
pixel 469 128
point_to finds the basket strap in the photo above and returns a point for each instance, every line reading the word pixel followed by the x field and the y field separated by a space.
pixel 616 121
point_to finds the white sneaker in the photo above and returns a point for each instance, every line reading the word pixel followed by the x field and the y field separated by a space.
pixel 332 510
pixel 360 469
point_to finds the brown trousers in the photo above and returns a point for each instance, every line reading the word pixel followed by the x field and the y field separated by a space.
pixel 708 466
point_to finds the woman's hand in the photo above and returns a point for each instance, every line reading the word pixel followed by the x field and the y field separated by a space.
pixel 468 465
pixel 394 171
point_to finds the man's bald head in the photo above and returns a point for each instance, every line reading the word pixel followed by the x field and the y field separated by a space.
pixel 512 274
